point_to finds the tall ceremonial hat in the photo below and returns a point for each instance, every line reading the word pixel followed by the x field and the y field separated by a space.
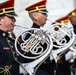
pixel 7 8
pixel 37 7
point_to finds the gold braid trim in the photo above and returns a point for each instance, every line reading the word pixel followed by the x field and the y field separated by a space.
pixel 11 50
pixel 6 70
pixel 6 10
pixel 37 8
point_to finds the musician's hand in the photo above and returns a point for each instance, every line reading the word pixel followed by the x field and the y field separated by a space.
pixel 21 69
pixel 69 56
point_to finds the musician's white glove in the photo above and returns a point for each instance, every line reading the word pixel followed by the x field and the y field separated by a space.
pixel 21 70
pixel 51 57
pixel 69 56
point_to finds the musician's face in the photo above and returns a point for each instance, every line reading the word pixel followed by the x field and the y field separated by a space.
pixel 7 23
pixel 73 20
pixel 40 18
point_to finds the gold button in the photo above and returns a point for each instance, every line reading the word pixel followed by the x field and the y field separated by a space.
pixel 3 34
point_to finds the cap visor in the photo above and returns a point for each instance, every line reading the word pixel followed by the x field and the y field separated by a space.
pixel 43 11
pixel 13 14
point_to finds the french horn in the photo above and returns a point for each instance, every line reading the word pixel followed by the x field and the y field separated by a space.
pixel 34 45
pixel 62 38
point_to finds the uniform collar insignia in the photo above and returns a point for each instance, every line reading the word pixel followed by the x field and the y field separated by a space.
pixel 4 34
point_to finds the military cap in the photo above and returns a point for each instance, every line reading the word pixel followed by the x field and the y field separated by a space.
pixel 7 8
pixel 37 7
pixel 73 13
pixel 65 19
